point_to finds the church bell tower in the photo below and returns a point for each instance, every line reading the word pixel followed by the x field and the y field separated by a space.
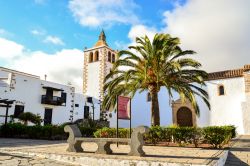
pixel 98 61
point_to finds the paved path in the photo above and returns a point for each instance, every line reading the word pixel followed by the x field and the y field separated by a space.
pixel 57 150
pixel 7 159
pixel 239 153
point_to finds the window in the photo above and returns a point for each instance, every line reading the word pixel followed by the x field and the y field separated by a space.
pixel 113 58
pixel 76 105
pixel 221 90
pixel 18 110
pixel 96 56
pixel 109 56
pixel 148 97
pixel 64 97
pixel 90 57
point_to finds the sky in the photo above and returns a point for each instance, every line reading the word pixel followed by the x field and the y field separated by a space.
pixel 47 36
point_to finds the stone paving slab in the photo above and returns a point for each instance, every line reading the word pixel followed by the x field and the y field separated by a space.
pixel 239 153
pixel 155 155
pixel 15 159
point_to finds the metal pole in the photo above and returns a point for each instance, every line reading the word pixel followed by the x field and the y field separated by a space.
pixel 117 132
pixel 130 118
pixel 6 115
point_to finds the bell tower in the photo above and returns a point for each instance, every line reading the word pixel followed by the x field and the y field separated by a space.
pixel 98 61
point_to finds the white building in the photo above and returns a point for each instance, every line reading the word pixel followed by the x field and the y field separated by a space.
pixel 55 103
pixel 229 93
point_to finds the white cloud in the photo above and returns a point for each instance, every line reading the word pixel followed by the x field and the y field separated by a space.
pixel 63 66
pixel 141 31
pixel 103 12
pixel 54 40
pixel 37 32
pixel 218 32
pixel 9 49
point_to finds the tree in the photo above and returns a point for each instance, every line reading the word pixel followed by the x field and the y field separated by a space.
pixel 30 117
pixel 152 65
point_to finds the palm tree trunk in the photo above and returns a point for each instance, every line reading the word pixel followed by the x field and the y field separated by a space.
pixel 155 112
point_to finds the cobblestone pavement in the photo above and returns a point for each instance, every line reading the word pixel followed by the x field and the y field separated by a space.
pixel 239 153
pixel 57 150
pixel 24 160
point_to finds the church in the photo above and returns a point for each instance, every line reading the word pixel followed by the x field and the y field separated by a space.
pixel 229 93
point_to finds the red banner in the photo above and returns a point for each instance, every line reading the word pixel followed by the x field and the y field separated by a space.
pixel 123 107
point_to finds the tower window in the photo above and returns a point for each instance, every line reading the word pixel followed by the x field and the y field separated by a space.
pixel 90 57
pixel 109 56
pixel 221 90
pixel 96 56
pixel 113 58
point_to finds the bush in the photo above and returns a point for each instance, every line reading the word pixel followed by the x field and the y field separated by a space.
pixel 156 134
pixel 218 136
pixel 30 117
pixel 49 132
pixel 111 133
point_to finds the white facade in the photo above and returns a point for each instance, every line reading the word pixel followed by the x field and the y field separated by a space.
pixel 27 91
pixel 231 108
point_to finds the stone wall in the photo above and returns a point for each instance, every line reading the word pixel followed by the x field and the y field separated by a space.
pixel 246 115
pixel 247 82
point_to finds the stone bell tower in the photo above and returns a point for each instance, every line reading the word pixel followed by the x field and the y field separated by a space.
pixel 98 61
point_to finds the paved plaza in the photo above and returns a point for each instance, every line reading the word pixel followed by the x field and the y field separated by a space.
pixel 239 153
pixel 41 152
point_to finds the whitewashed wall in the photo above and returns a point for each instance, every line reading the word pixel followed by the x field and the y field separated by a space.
pixel 28 90
pixel 226 109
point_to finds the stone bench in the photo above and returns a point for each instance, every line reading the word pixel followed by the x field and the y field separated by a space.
pixel 136 142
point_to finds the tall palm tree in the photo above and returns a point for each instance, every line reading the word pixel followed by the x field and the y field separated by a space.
pixel 152 65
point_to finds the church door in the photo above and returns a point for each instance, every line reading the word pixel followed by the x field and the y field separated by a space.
pixel 184 117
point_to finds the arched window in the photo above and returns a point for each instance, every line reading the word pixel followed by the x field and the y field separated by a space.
pixel 96 56
pixel 109 56
pixel 90 57
pixel 221 90
pixel 113 58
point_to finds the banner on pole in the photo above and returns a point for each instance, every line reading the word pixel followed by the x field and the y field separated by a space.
pixel 123 107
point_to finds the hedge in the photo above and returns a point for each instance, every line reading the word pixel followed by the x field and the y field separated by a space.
pixel 49 132
pixel 217 136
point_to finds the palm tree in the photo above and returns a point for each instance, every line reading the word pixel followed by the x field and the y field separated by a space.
pixel 152 65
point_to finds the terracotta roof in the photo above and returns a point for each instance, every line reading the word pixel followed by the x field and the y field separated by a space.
pixel 228 73
pixel 102 40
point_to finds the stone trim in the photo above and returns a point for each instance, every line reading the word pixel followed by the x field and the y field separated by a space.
pixel 176 105
pixel 247 82
pixel 228 73
pixel 85 73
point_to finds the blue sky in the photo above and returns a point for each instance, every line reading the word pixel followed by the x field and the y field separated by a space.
pixel 54 18
pixel 47 36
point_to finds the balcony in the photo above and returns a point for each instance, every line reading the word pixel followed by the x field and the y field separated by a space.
pixel 52 100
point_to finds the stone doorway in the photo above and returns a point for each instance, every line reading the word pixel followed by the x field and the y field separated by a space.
pixel 183 113
pixel 184 117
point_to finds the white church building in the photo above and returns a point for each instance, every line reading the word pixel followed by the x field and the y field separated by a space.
pixel 229 93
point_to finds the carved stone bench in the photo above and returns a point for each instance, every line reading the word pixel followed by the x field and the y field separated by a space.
pixel 136 142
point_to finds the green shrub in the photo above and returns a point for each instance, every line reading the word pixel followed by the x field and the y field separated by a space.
pixel 111 133
pixel 217 136
pixel 30 117
pixel 156 134
pixel 49 132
